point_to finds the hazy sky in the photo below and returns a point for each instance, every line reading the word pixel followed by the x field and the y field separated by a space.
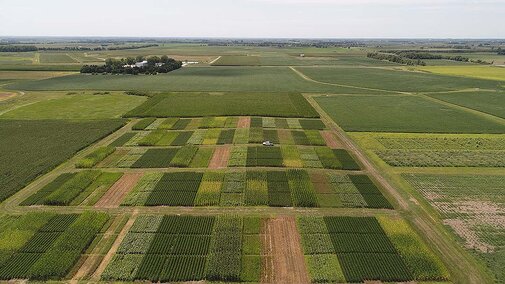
pixel 255 18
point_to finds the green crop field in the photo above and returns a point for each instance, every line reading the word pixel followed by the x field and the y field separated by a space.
pixel 77 107
pixel 210 104
pixel 394 80
pixel 401 113
pixel 481 72
pixel 487 102
pixel 195 79
pixel 46 144
pixel 237 60
pixel 56 58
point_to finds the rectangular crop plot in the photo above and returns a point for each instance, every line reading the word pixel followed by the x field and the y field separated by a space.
pixel 156 158
pixel 366 113
pixel 175 189
pixel 231 104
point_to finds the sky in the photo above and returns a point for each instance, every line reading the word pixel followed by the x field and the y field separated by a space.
pixel 255 18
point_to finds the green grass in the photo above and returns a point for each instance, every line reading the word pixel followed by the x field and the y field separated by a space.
pixel 487 102
pixel 55 58
pixel 205 104
pixel 394 80
pixel 77 107
pixel 403 114
pixel 46 144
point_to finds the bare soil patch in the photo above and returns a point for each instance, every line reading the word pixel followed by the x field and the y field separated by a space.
pixel 220 158
pixel 113 197
pixel 244 122
pixel 283 257
pixel 6 96
pixel 320 181
pixel 331 140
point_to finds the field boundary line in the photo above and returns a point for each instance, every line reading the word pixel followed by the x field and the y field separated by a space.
pixel 307 78
pixel 115 246
pixel 214 61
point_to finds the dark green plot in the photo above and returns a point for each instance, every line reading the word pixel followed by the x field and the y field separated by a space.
pixel 156 158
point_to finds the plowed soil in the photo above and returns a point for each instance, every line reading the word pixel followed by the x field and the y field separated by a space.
pixel 220 158
pixel 244 122
pixel 331 140
pixel 113 197
pixel 283 257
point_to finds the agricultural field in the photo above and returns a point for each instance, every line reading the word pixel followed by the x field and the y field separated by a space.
pixel 215 104
pixel 237 60
pixel 232 248
pixel 435 150
pixel 77 106
pixel 378 171
pixel 46 246
pixel 480 72
pixel 45 145
pixel 403 113
pixel 473 207
pixel 394 80
pixel 486 102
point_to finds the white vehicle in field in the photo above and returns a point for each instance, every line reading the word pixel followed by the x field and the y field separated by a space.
pixel 268 144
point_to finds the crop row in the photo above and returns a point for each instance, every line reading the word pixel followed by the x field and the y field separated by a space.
pixel 440 158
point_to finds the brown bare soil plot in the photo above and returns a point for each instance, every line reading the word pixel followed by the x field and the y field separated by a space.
pixel 244 122
pixel 5 96
pixel 320 181
pixel 283 257
pixel 331 140
pixel 113 197
pixel 220 158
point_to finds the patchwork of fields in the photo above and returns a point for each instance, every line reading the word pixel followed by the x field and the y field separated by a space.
pixel 182 188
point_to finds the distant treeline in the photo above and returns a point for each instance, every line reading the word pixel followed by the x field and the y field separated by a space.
pixel 117 66
pixel 501 51
pixel 395 58
pixel 402 57
pixel 17 48
pixel 27 48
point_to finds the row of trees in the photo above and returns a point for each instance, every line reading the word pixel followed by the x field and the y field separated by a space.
pixel 17 48
pixel 154 65
pixel 395 58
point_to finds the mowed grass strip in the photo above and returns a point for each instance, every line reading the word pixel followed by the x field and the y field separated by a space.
pixel 227 104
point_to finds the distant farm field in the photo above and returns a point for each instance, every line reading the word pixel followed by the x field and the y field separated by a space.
pixel 56 58
pixel 488 102
pixel 402 114
pixel 77 107
pixel 215 79
pixel 31 148
pixel 237 60
pixel 481 72
pixel 394 80
pixel 214 104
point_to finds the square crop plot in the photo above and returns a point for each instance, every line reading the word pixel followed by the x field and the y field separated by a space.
pixel 181 124
pixel 358 267
pixel 347 161
pixel 300 138
pixel 315 124
pixel 182 138
pixel 183 268
pixel 155 158
pixel 226 137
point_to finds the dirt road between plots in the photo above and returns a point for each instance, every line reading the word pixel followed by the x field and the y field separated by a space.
pixel 115 246
pixel 220 157
pixel 284 261
pixel 244 122
pixel 113 197
pixel 331 140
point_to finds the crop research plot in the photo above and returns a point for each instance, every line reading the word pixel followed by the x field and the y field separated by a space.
pixel 271 164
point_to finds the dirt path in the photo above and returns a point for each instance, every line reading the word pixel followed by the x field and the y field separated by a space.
pixel 214 61
pixel 92 259
pixel 113 197
pixel 284 261
pixel 244 122
pixel 331 140
pixel 220 157
pixel 115 246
